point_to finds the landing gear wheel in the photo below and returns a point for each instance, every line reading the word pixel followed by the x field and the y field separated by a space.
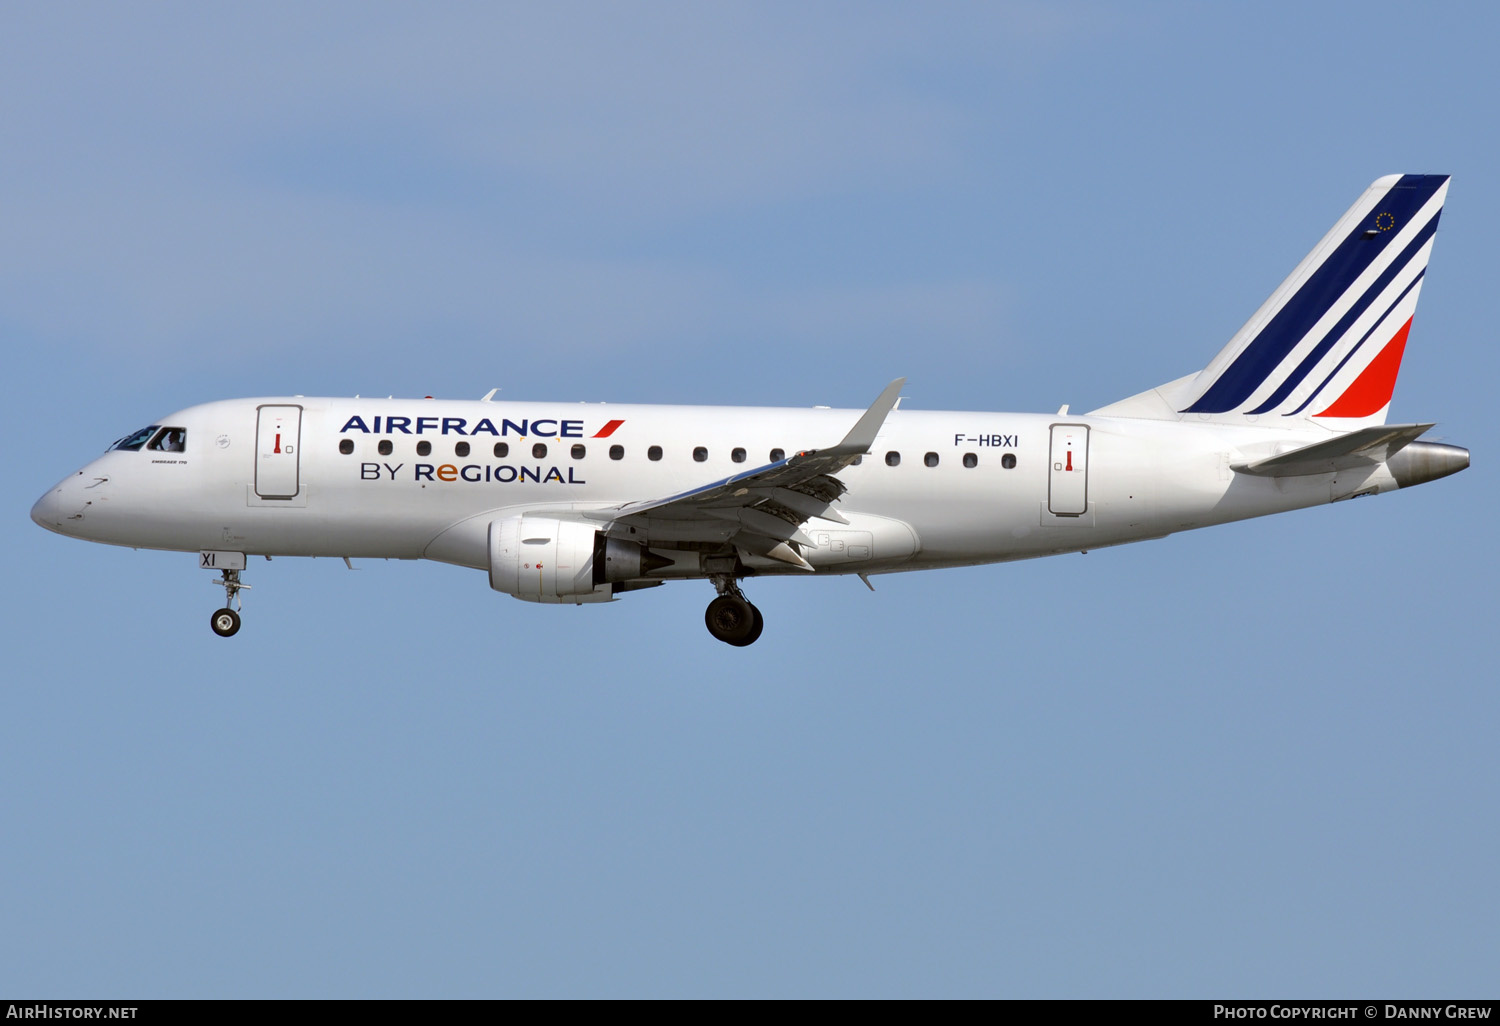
pixel 760 625
pixel 733 620
pixel 225 622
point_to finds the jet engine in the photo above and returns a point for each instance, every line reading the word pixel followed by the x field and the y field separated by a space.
pixel 543 559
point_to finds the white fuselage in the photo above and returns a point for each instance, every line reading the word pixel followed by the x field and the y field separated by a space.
pixel 583 502
pixel 1075 482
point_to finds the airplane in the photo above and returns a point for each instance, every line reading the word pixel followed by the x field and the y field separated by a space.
pixel 574 503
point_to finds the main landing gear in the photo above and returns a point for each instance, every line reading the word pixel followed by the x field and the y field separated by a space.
pixel 730 617
pixel 226 621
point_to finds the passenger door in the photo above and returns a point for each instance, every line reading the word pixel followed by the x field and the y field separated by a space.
pixel 278 441
pixel 1068 475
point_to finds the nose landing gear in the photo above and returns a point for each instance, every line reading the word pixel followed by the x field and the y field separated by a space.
pixel 226 621
pixel 731 618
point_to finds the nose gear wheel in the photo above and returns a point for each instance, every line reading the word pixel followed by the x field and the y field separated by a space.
pixel 226 622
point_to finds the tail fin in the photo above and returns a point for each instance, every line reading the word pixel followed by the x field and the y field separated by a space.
pixel 1326 347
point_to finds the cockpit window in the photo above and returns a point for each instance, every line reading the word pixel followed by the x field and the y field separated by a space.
pixel 132 442
pixel 169 439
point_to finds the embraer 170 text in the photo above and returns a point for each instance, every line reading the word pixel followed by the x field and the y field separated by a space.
pixel 583 503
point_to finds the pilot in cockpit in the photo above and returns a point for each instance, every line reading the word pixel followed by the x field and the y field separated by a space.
pixel 170 440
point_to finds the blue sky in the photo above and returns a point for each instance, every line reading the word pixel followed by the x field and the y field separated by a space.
pixel 1257 760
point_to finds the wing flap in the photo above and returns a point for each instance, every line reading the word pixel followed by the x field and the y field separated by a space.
pixel 807 505
pixel 782 552
pixel 767 524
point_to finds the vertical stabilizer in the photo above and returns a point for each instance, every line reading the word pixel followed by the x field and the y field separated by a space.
pixel 1327 346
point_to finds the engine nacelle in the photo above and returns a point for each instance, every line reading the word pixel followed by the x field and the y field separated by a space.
pixel 542 559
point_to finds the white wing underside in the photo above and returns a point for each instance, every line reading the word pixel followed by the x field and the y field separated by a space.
pixel 762 510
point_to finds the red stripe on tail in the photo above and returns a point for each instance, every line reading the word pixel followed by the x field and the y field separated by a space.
pixel 1372 389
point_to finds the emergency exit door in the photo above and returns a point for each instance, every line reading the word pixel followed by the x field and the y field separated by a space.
pixel 278 437
pixel 1068 475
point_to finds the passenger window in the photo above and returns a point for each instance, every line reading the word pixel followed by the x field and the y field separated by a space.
pixel 617 452
pixel 738 455
pixel 931 459
pixel 502 450
pixel 970 460
pixel 893 459
pixel 539 451
pixel 653 453
pixel 424 448
pixel 461 450
pixel 346 446
pixel 1008 461
pixel 700 454
pixel 170 439
pixel 579 452
pixel 777 455
pixel 384 448
pixel 133 442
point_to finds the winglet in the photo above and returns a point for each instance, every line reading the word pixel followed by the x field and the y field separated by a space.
pixel 860 437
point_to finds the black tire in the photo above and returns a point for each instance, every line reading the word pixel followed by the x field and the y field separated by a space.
pixel 730 619
pixel 225 622
pixel 760 625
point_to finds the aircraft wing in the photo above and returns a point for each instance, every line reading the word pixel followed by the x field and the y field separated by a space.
pixel 763 509
pixel 1362 448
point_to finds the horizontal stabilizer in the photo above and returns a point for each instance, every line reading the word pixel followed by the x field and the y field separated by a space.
pixel 1363 448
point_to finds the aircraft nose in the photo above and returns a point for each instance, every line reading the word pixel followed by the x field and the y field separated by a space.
pixel 46 510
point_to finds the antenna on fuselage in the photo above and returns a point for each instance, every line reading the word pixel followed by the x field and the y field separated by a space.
pixel 489 395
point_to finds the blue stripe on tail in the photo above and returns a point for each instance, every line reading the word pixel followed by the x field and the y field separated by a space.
pixel 1342 327
pixel 1357 346
pixel 1328 282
